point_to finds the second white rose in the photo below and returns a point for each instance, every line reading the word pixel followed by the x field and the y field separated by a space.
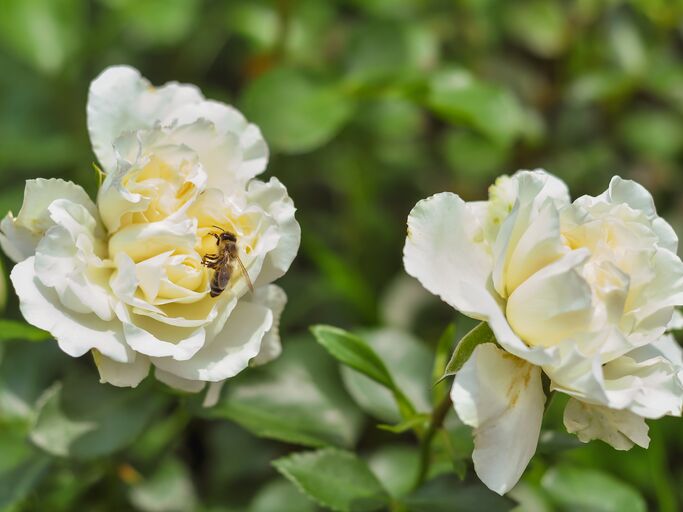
pixel 582 291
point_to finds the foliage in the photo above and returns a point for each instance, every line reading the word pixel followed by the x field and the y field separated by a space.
pixel 368 106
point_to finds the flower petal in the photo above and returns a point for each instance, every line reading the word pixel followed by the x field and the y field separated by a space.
pixel 228 120
pixel 274 298
pixel 230 352
pixel 156 339
pixel 618 428
pixel 501 396
pixel 76 333
pixel 538 193
pixel 442 252
pixel 272 197
pixel 638 198
pixel 189 386
pixel 19 236
pixel 121 100
pixel 554 303
pixel 121 374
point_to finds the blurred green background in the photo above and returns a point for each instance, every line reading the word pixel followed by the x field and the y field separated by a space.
pixel 368 106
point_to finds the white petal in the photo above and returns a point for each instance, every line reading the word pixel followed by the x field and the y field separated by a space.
pixel 666 346
pixel 17 242
pixel 676 323
pixel 536 191
pixel 272 197
pixel 121 100
pixel 502 397
pixel 189 386
pixel 442 253
pixel 39 194
pixel 232 349
pixel 538 246
pixel 228 120
pixel 554 303
pixel 213 394
pixel 76 333
pixel 618 428
pixel 650 388
pixel 637 197
pixel 121 374
pixel 274 298
pixel 143 241
pixel 21 235
pixel 155 339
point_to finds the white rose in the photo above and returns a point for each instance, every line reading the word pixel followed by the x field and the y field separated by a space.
pixel 124 278
pixel 581 291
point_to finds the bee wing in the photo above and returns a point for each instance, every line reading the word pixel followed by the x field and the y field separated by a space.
pixel 222 276
pixel 245 273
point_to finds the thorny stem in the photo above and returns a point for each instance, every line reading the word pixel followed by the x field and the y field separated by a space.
pixel 438 415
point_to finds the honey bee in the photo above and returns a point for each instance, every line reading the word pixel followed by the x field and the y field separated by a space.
pixel 222 262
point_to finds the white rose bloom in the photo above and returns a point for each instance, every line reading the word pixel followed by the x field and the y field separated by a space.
pixel 124 278
pixel 581 291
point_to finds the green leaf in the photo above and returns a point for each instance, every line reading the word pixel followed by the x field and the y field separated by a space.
pixel 3 287
pixel 473 157
pixel 460 98
pixel 44 33
pixel 397 467
pixel 539 25
pixel 281 495
pixel 652 133
pixel 335 479
pixel 590 490
pixel 418 420
pixel 389 51
pixel 482 333
pixel 15 330
pixel 84 419
pixel 297 114
pixel 298 398
pixel 21 466
pixel 168 489
pixel 157 22
pixel 17 482
pixel 408 362
pixel 355 353
pixel 26 370
pixel 446 494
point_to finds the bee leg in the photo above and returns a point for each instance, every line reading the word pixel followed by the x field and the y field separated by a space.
pixel 210 259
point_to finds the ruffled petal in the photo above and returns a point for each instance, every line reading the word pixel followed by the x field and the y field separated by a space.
pixel 272 197
pixel 125 375
pixel 76 333
pixel 533 223
pixel 554 303
pixel 188 386
pixel 619 428
pixel 121 100
pixel 228 121
pixel 274 298
pixel 502 397
pixel 19 236
pixel 442 251
pixel 230 352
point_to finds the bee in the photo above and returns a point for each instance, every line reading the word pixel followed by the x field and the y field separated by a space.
pixel 223 260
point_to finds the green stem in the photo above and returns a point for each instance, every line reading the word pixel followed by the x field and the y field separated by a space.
pixel 438 415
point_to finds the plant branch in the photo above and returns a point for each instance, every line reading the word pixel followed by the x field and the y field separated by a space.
pixel 438 415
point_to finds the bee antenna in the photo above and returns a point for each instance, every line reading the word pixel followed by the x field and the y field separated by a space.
pixel 218 227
